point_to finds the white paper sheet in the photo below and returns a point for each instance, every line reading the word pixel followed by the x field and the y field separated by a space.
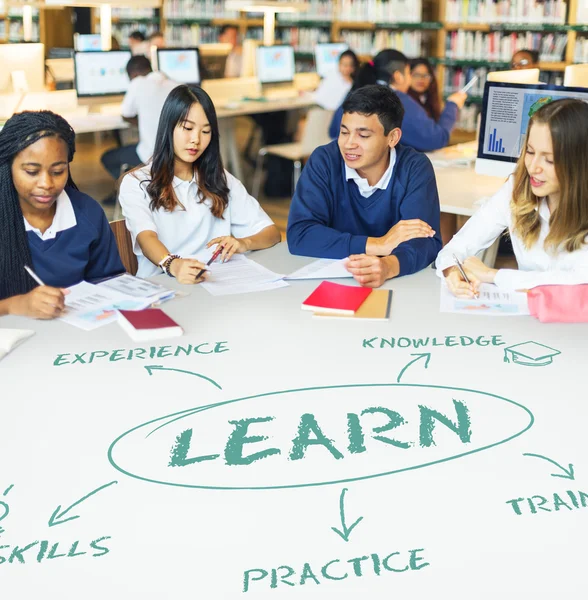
pixel 324 268
pixel 240 275
pixel 11 338
pixel 492 302
pixel 137 287
pixel 90 306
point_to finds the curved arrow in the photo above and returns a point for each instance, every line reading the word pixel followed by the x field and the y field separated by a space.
pixel 344 535
pixel 151 368
pixel 58 515
pixel 569 472
pixel 426 355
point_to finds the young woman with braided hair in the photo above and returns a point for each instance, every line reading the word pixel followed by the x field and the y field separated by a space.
pixel 45 221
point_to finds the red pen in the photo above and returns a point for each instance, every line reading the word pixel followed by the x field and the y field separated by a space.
pixel 212 259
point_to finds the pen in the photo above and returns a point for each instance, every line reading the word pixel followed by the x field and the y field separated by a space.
pixel 33 275
pixel 469 84
pixel 463 274
pixel 212 259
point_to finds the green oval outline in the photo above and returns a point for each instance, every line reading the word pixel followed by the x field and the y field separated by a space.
pixel 185 413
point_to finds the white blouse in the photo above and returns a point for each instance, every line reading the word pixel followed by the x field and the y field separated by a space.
pixel 536 265
pixel 188 228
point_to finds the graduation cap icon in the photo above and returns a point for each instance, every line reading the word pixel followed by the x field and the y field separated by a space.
pixel 530 354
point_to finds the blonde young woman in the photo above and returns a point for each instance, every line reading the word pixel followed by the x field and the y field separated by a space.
pixel 544 206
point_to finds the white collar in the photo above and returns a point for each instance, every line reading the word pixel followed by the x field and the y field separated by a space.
pixel 65 218
pixel 362 182
pixel 177 181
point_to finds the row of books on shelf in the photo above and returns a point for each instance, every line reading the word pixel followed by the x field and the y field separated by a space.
pixel 318 10
pixel 497 46
pixel 581 50
pixel 121 31
pixel 381 11
pixel 304 39
pixel 190 35
pixel 507 11
pixel 197 9
pixel 14 31
pixel 367 42
pixel 127 12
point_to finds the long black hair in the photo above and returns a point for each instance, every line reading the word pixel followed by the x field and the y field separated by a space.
pixel 432 103
pixel 21 131
pixel 212 180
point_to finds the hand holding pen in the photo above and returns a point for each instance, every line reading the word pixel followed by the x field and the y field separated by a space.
pixel 212 259
pixel 230 246
pixel 43 302
pixel 457 287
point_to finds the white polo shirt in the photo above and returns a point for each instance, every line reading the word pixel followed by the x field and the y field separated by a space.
pixel 187 229
pixel 365 189
pixel 64 218
pixel 536 265
pixel 144 99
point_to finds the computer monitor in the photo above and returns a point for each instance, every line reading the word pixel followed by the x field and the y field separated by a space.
pixel 102 73
pixel 516 76
pixel 576 76
pixel 326 58
pixel 275 64
pixel 29 58
pixel 179 64
pixel 506 111
pixel 91 42
pixel 214 59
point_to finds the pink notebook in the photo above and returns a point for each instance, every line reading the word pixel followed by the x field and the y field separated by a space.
pixel 336 298
pixel 148 324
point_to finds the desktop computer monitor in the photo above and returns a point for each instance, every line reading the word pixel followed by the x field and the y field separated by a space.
pixel 506 111
pixel 517 76
pixel 101 73
pixel 29 58
pixel 179 64
pixel 214 59
pixel 326 58
pixel 91 42
pixel 576 76
pixel 275 64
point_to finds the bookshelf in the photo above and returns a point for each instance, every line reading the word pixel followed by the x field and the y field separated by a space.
pixel 11 24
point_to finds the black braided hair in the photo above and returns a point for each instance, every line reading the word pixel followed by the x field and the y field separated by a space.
pixel 19 132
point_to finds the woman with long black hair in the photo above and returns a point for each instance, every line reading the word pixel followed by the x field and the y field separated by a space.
pixel 45 221
pixel 183 201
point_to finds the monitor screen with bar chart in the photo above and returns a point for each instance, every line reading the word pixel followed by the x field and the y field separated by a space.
pixel 506 112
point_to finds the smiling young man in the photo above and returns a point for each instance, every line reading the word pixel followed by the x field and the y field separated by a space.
pixel 367 197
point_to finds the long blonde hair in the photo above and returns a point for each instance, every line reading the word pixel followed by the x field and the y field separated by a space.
pixel 567 120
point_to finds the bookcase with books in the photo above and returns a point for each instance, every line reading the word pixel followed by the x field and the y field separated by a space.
pixel 11 23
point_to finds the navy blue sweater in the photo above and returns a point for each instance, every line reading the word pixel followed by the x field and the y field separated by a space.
pixel 85 252
pixel 419 131
pixel 329 218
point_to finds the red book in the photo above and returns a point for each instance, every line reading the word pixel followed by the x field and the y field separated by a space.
pixel 336 298
pixel 148 324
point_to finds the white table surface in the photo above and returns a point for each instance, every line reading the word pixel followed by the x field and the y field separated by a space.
pixel 58 423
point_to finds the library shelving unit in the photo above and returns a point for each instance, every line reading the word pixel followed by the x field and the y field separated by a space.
pixel 125 20
pixel 11 24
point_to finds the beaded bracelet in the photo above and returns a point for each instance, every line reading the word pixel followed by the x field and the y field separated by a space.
pixel 167 263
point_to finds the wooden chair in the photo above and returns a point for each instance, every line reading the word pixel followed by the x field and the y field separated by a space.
pixel 124 245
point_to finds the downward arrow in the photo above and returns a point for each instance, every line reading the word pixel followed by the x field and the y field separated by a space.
pixel 344 535
pixel 569 472
pixel 57 517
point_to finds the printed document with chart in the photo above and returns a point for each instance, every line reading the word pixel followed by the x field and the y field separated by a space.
pixel 491 301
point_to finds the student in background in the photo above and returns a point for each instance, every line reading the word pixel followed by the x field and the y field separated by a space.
pixel 183 201
pixel 423 87
pixel 156 39
pixel 367 197
pixel 525 59
pixel 137 43
pixel 421 132
pixel 229 34
pixel 143 102
pixel 45 221
pixel 334 88
pixel 544 206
